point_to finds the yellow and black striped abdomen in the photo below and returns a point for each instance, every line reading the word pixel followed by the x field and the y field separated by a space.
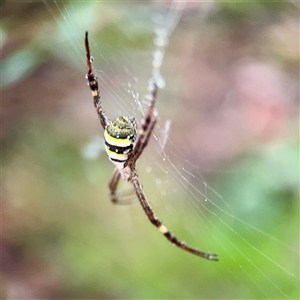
pixel 119 136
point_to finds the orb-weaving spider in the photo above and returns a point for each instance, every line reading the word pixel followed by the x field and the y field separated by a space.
pixel 124 147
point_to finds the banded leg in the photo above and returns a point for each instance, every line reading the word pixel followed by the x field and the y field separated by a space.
pixel 145 132
pixel 156 222
pixel 120 198
pixel 93 84
pixel 138 151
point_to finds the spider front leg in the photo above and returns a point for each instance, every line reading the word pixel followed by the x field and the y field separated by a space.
pixel 156 222
pixel 145 132
pixel 93 84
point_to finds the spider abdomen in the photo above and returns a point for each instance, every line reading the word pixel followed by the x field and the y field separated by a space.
pixel 120 135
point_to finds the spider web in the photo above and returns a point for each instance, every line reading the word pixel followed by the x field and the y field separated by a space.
pixel 166 168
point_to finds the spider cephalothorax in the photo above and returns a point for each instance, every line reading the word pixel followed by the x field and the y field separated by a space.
pixel 124 146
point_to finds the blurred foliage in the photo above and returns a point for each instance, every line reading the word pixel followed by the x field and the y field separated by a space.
pixel 254 11
pixel 61 238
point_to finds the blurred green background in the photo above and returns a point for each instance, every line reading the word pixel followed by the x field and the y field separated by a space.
pixel 232 97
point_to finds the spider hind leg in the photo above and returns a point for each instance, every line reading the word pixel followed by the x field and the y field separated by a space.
pixel 163 229
pixel 126 197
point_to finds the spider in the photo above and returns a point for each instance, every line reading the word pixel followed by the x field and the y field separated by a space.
pixel 124 145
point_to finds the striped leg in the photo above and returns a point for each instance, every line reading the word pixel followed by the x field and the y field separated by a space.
pixel 93 84
pixel 145 132
pixel 137 151
pixel 156 222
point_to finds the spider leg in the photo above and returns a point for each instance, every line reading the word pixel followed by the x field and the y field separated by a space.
pixel 113 185
pixel 147 121
pixel 156 222
pixel 93 84
pixel 148 125
pixel 121 198
pixel 139 150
